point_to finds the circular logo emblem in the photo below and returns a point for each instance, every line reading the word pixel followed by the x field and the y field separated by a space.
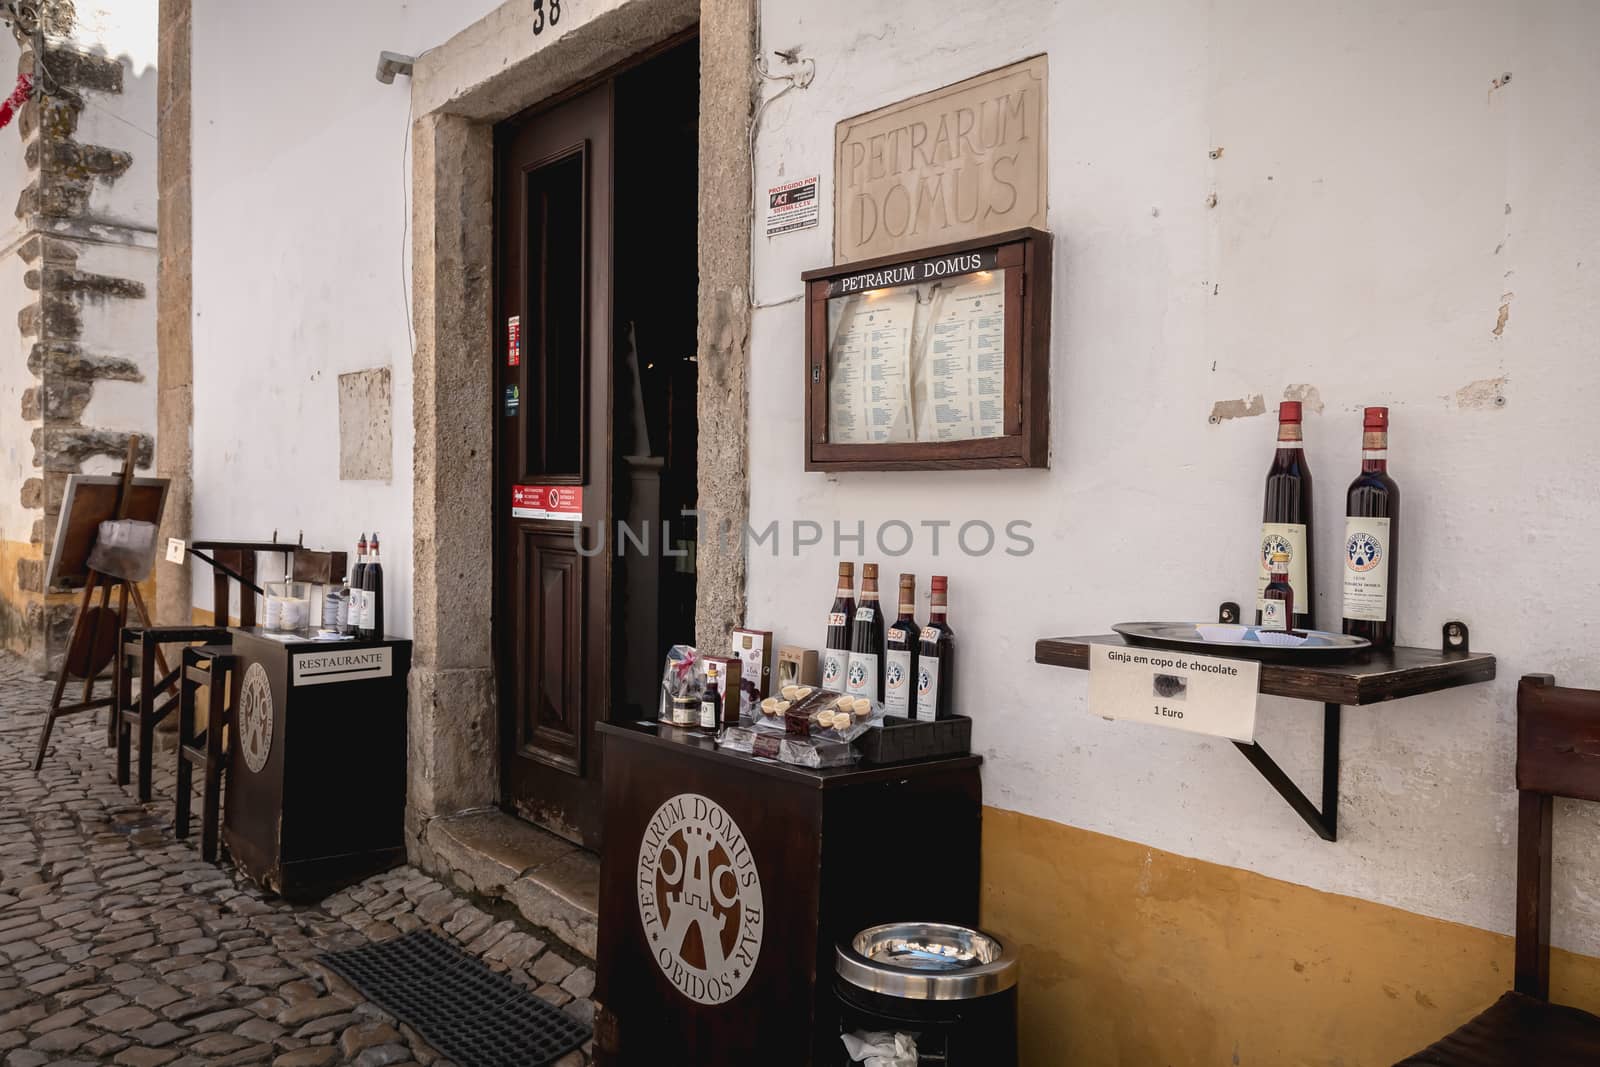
pixel 858 675
pixel 255 718
pixel 895 674
pixel 700 898
pixel 555 498
pixel 1362 552
pixel 924 680
pixel 1275 543
pixel 830 673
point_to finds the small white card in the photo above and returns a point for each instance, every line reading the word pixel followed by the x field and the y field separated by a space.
pixel 175 550
pixel 1201 694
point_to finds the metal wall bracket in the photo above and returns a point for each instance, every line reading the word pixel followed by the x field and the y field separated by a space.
pixel 1325 821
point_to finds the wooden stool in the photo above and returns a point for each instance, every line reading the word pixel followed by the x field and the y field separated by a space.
pixel 211 666
pixel 1558 754
pixel 137 654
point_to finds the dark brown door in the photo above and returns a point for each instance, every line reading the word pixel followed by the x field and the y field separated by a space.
pixel 553 414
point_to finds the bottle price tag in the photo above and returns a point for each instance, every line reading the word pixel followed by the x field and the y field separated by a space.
pixel 1200 694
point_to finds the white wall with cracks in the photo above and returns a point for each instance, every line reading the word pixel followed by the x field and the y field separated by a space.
pixel 302 268
pixel 1251 200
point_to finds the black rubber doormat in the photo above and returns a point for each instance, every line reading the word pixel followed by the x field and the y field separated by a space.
pixel 472 1015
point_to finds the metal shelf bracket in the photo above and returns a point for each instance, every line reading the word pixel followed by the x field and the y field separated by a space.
pixel 1325 821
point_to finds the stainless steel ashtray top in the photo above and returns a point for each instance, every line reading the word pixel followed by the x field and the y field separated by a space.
pixel 927 961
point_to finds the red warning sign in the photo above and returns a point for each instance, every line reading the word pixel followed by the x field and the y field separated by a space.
pixel 514 340
pixel 564 503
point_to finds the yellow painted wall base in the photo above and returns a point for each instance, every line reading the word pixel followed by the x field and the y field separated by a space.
pixel 1135 957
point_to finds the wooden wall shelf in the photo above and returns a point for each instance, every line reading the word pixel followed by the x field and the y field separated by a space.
pixel 1387 675
pixel 1398 672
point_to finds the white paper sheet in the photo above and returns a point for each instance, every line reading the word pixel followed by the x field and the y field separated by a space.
pixel 869 370
pixel 960 375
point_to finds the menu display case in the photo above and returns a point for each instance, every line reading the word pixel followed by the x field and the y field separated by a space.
pixel 934 361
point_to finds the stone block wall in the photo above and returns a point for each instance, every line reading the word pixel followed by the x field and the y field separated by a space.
pixel 83 249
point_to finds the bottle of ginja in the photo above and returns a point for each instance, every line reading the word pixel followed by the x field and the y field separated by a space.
pixel 1277 600
pixel 900 654
pixel 865 676
pixel 836 653
pixel 1286 519
pixel 1371 535
pixel 935 656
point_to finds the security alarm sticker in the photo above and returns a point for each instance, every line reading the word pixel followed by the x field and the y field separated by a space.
pixel 175 550
pixel 1200 694
pixel 513 399
pixel 514 341
pixel 700 898
pixel 562 503
pixel 345 665
pixel 792 206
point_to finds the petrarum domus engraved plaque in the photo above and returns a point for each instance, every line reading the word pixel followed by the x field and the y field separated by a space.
pixel 964 161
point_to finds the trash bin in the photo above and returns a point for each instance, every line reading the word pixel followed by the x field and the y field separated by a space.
pixel 954 988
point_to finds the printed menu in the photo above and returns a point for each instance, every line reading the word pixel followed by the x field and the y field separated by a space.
pixel 918 362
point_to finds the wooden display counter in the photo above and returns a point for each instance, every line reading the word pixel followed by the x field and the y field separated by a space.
pixel 317 765
pixel 726 880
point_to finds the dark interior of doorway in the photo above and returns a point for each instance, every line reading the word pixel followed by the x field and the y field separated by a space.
pixel 656 283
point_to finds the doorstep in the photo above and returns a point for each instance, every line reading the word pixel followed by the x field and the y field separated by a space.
pixel 552 882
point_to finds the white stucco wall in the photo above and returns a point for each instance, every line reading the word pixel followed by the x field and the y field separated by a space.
pixel 1376 203
pixel 302 267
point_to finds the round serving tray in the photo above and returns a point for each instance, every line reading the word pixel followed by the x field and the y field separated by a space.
pixel 1243 642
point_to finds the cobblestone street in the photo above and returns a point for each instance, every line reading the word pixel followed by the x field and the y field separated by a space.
pixel 119 944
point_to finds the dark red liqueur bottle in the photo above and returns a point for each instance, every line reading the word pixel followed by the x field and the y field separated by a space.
pixel 1286 518
pixel 1371 537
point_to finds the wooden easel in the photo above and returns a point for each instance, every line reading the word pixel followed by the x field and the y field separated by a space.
pixel 97 632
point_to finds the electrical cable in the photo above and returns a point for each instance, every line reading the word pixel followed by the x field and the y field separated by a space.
pixel 797 80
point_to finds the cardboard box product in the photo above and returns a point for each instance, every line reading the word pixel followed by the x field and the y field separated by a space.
pixel 797 666
pixel 754 649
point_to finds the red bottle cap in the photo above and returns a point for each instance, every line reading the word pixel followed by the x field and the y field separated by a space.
pixel 1376 419
pixel 941 583
pixel 1289 411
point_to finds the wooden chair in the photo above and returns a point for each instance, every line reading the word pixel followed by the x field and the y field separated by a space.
pixel 1558 754
pixel 137 655
pixel 211 666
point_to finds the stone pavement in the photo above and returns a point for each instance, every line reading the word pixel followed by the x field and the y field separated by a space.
pixel 119 945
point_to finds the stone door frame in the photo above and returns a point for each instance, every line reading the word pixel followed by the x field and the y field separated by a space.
pixel 488 72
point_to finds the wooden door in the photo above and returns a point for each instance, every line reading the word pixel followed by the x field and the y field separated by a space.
pixel 553 458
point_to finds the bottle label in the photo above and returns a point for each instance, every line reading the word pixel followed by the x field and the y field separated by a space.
pixel 1273 617
pixel 369 602
pixel 708 715
pixel 862 680
pixel 1366 568
pixel 866 613
pixel 681 712
pixel 897 683
pixel 1288 537
pixel 834 662
pixel 838 618
pixel 928 687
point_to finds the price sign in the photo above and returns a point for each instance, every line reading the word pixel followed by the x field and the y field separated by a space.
pixel 1201 694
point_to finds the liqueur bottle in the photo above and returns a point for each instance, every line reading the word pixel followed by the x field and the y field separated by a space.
pixel 836 653
pixel 357 593
pixel 710 702
pixel 1286 518
pixel 1277 600
pixel 372 596
pixel 900 654
pixel 865 676
pixel 935 649
pixel 1371 535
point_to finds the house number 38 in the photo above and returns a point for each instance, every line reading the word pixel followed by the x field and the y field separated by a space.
pixel 538 14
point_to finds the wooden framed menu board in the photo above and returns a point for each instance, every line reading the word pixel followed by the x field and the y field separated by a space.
pixel 932 361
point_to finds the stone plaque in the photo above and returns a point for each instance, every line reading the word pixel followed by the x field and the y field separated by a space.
pixel 959 162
